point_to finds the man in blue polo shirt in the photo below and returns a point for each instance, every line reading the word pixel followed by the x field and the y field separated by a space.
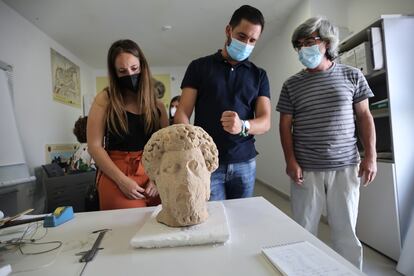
pixel 231 99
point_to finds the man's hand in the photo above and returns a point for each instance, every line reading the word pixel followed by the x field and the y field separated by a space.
pixel 231 122
pixel 367 170
pixel 295 172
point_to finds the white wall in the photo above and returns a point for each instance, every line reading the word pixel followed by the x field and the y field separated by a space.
pixel 177 75
pixel 361 13
pixel 334 11
pixel 280 61
pixel 40 119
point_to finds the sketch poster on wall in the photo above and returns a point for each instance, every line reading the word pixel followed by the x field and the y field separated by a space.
pixel 65 80
pixel 60 153
pixel 163 88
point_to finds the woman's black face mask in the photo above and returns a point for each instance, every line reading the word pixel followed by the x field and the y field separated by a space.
pixel 130 82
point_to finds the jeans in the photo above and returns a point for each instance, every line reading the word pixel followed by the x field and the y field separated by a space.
pixel 234 180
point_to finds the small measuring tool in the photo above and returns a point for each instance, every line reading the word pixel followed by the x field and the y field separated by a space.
pixel 88 256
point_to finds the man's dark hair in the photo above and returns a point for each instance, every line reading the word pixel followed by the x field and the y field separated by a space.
pixel 80 129
pixel 249 13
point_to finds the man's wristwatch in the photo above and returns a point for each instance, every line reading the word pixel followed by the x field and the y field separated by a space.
pixel 245 128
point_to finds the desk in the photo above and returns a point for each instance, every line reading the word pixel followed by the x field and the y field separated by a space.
pixel 254 223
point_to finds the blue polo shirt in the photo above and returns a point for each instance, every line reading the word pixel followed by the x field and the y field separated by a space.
pixel 221 87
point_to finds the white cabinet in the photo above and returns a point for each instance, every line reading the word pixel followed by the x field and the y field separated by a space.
pixel 386 204
pixel 378 223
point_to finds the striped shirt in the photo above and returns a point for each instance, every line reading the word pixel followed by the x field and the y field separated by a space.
pixel 321 104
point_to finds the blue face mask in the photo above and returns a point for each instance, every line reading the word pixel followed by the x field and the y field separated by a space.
pixel 238 50
pixel 310 57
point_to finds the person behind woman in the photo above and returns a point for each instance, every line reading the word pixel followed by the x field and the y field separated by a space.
pixel 173 108
pixel 81 161
pixel 126 113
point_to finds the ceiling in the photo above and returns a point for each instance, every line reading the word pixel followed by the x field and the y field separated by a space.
pixel 88 27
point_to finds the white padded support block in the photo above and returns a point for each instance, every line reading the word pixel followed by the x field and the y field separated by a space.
pixel 214 230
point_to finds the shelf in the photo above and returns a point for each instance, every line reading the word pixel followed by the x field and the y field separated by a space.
pixel 376 76
pixel 381 160
pixel 380 113
pixel 383 157
pixel 357 38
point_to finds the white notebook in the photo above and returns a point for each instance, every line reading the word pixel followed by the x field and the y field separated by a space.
pixel 303 258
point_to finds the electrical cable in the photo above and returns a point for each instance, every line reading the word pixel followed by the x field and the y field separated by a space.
pixel 20 242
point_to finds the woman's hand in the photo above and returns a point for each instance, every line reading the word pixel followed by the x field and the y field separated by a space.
pixel 131 189
pixel 151 189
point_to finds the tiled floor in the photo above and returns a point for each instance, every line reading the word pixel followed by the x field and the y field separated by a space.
pixel 374 262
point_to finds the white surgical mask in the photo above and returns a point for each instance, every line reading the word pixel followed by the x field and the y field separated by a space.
pixel 310 56
pixel 239 50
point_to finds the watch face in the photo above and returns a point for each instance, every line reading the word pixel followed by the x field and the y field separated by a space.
pixel 247 124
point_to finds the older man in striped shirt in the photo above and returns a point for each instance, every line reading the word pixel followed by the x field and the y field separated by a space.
pixel 317 129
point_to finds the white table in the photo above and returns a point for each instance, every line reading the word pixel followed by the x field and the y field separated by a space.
pixel 254 223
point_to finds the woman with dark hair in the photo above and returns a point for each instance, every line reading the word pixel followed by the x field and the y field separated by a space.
pixel 173 108
pixel 121 121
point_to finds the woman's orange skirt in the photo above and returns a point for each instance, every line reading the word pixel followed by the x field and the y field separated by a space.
pixel 110 196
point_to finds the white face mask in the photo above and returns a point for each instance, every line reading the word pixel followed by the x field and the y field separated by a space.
pixel 239 50
pixel 310 56
pixel 172 111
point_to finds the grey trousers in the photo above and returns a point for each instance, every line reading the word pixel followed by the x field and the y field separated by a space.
pixel 339 190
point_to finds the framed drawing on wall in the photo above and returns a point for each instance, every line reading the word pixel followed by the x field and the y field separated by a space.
pixel 60 153
pixel 65 80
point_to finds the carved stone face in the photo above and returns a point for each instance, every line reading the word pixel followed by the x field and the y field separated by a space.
pixel 184 186
pixel 180 159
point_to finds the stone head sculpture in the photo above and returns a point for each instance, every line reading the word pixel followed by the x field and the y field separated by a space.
pixel 180 159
